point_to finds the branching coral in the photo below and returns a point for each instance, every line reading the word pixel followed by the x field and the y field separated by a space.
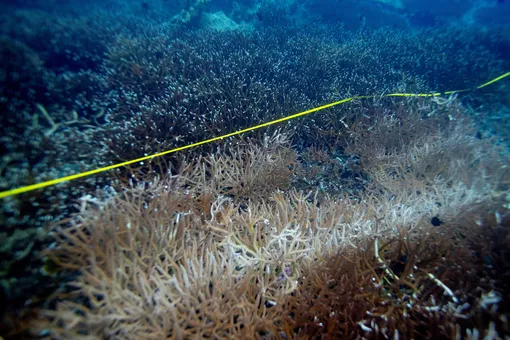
pixel 176 278
pixel 252 172
pixel 433 161
pixel 415 284
pixel 144 261
pixel 176 258
pixel 181 250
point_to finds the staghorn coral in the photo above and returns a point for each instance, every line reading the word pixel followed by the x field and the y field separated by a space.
pixel 152 80
pixel 406 153
pixel 420 283
pixel 192 261
pixel 165 259
pixel 251 171
pixel 177 281
pixel 219 82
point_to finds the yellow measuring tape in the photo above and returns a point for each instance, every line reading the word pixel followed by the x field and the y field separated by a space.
pixel 41 185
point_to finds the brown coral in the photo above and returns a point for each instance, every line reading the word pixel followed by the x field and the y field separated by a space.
pixel 177 258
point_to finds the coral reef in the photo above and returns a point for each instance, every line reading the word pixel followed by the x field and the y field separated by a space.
pixel 259 223
pixel 189 255
pixel 191 11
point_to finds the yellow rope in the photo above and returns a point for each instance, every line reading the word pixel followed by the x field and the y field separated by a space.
pixel 52 182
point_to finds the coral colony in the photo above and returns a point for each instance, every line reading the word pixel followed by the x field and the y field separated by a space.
pixel 380 218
